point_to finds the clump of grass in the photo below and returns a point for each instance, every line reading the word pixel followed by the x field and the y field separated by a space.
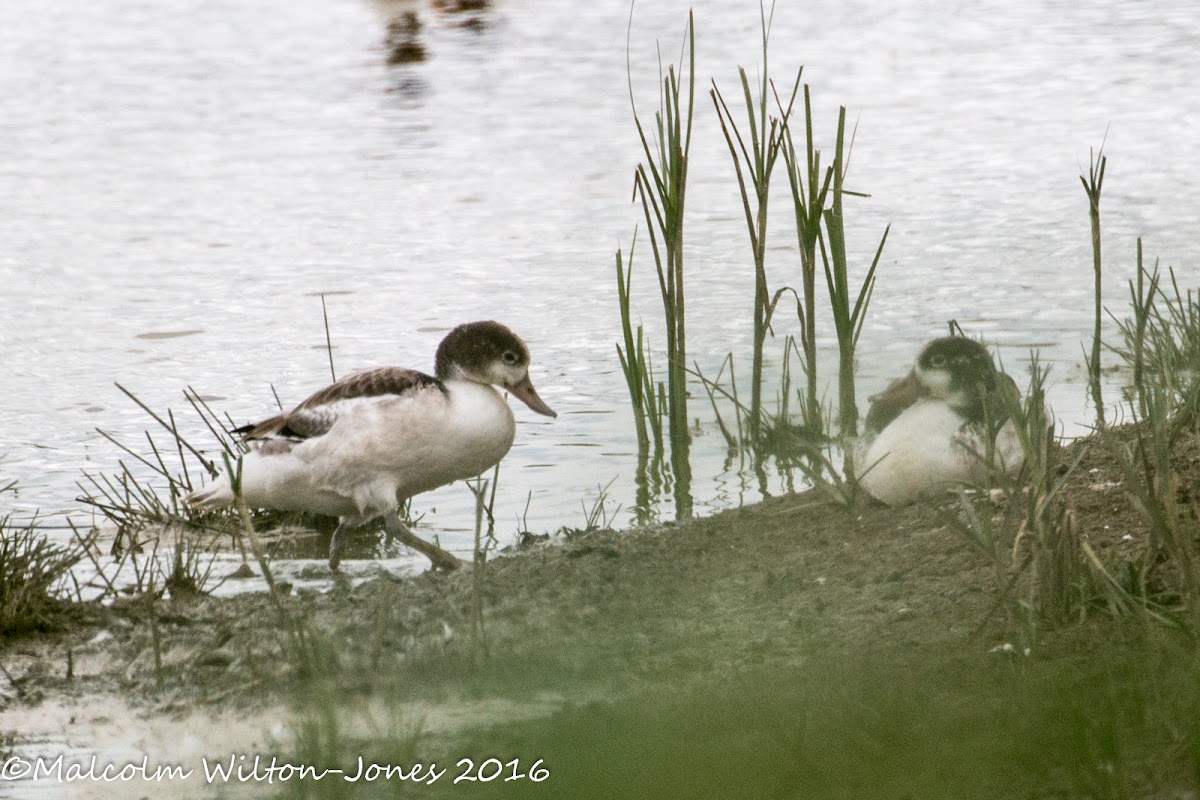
pixel 836 485
pixel 1047 571
pixel 1048 556
pixel 145 499
pixel 1056 575
pixel 145 502
pixel 152 483
pixel 1168 575
pixel 988 534
pixel 191 566
pixel 819 213
pixel 1027 542
pixel 597 516
pixel 33 577
pixel 1134 332
pixel 144 567
pixel 1174 353
pixel 1161 344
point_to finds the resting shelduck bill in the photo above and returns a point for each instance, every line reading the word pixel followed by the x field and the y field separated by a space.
pixel 359 448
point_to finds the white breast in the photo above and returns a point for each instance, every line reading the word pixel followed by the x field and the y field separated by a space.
pixel 927 449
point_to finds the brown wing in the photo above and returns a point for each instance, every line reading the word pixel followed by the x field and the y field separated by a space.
pixel 318 413
pixel 892 401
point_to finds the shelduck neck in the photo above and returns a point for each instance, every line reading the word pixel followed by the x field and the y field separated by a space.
pixel 444 369
pixel 451 372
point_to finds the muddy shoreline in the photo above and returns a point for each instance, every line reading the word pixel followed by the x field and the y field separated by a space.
pixel 794 585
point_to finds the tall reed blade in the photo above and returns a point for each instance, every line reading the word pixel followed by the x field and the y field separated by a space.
pixel 328 339
pixel 753 166
pixel 849 309
pixel 660 183
pixel 1092 185
pixel 632 357
pixel 808 202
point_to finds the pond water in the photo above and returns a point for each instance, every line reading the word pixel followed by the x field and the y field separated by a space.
pixel 179 182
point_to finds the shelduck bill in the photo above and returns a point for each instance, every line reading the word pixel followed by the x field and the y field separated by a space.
pixel 359 448
pixel 935 427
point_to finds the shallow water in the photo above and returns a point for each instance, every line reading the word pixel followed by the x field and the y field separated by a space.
pixel 178 184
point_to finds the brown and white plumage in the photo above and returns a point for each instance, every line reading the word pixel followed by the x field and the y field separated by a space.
pixel 936 426
pixel 317 414
pixel 361 446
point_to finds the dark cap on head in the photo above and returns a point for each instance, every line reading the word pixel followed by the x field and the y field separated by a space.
pixel 967 361
pixel 475 345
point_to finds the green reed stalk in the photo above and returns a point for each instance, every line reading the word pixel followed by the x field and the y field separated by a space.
pixel 328 339
pixel 660 184
pixel 848 313
pixel 785 377
pixel 1092 184
pixel 294 627
pixel 713 388
pixel 479 647
pixel 1136 332
pixel 759 161
pixel 635 363
pixel 631 357
pixel 808 201
pixel 1141 304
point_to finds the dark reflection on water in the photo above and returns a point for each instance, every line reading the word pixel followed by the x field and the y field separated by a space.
pixel 470 14
pixel 406 28
pixel 410 88
pixel 404 39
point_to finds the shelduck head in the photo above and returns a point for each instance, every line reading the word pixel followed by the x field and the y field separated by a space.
pixel 489 353
pixel 956 369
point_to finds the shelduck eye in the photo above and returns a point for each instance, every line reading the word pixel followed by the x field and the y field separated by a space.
pixel 510 357
pixel 937 361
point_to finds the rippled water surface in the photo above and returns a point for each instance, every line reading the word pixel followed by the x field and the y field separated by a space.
pixel 179 181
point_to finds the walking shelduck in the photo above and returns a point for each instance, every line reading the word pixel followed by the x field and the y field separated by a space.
pixel 359 448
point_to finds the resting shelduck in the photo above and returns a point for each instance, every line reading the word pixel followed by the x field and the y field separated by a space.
pixel 938 426
pixel 359 448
